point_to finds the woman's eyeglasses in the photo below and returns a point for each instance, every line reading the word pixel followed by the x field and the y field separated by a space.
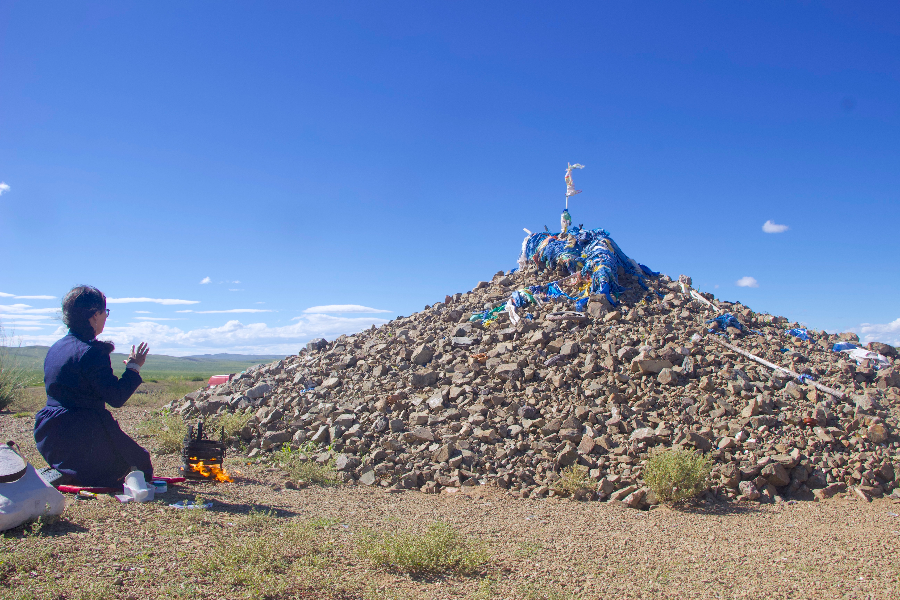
pixel 107 312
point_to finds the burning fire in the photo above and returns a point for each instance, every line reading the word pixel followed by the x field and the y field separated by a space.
pixel 213 471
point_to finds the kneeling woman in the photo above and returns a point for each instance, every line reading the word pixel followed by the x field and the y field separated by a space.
pixel 75 433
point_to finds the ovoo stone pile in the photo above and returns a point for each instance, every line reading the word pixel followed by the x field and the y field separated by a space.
pixel 433 401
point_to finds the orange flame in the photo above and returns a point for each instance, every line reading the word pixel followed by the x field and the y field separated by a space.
pixel 214 471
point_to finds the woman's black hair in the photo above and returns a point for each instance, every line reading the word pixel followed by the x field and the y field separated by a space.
pixel 80 304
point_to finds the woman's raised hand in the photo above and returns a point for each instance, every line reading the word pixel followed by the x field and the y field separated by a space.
pixel 139 355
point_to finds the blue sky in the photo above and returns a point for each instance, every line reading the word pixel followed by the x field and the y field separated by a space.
pixel 364 157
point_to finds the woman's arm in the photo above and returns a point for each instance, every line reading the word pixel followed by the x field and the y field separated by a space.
pixel 104 383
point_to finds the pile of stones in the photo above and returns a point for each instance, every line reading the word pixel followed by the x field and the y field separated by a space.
pixel 433 401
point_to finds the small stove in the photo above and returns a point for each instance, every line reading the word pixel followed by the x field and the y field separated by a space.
pixel 202 458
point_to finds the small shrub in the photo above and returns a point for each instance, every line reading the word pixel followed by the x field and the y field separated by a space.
pixel 231 422
pixel 676 475
pixel 572 479
pixel 298 465
pixel 167 428
pixel 439 549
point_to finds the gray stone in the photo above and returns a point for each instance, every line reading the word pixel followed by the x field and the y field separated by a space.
pixel 258 391
pixel 317 344
pixel 331 383
pixel 444 453
pixel 346 462
pixel 321 436
pixel 275 438
pixel 776 475
pixel 368 477
pixel 649 365
pixel 508 371
pixel 667 377
pixel 423 379
pixel 569 349
pixel 644 434
pixel 422 355
pixel 749 490
pixel 421 434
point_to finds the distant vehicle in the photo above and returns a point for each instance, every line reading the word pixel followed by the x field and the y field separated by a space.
pixel 217 379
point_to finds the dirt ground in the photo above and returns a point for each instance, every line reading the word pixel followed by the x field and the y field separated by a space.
pixel 260 540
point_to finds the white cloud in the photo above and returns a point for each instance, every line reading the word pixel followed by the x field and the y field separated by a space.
pixel 31 324
pixel 166 301
pixel 342 308
pixel 142 312
pixel 24 309
pixel 772 227
pixel 747 282
pixel 5 295
pixel 224 312
pixel 235 290
pixel 886 333
pixel 158 319
pixel 233 336
pixel 205 280
pixel 28 317
pixel 3 188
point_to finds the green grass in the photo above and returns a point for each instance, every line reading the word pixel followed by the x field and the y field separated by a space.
pixel 14 376
pixel 301 466
pixel 265 564
pixel 438 549
pixel 169 429
pixel 676 475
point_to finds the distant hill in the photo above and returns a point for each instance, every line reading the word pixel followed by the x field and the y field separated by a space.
pixel 31 358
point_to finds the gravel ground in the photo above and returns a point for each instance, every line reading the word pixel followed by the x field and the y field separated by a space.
pixel 550 548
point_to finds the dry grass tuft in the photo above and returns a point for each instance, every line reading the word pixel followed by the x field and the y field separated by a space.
pixel 300 465
pixel 439 549
pixel 573 480
pixel 676 475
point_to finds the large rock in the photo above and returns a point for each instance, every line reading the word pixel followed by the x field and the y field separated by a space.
pixel 649 366
pixel 317 344
pixel 258 391
pixel 423 379
pixel 422 355
pixel 508 372
pixel 274 439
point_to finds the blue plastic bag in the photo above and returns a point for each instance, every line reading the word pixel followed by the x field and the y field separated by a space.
pixel 840 346
pixel 800 334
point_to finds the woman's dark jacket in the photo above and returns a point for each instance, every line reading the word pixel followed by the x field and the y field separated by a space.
pixel 75 433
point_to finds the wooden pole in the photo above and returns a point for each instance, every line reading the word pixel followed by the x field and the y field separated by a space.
pixel 837 394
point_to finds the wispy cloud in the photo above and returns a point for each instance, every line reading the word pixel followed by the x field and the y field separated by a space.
pixel 142 312
pixel 886 333
pixel 235 290
pixel 5 295
pixel 24 309
pixel 3 188
pixel 166 301
pixel 747 282
pixel 224 312
pixel 158 319
pixel 342 308
pixel 205 280
pixel 27 317
pixel 773 227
